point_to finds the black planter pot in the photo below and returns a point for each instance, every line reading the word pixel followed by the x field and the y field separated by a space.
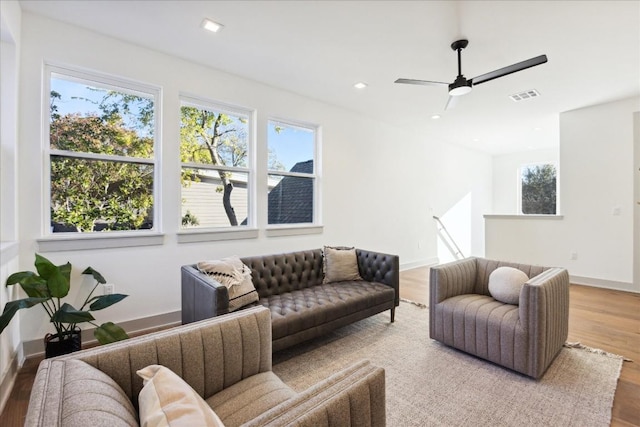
pixel 55 345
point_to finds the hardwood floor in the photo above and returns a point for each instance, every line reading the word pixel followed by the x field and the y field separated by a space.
pixel 599 318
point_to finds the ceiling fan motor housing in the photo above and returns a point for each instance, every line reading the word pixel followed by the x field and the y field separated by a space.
pixel 460 86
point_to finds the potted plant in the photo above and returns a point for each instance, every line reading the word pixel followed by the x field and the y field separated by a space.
pixel 48 287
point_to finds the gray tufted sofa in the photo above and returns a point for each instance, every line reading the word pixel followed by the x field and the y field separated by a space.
pixel 524 337
pixel 290 286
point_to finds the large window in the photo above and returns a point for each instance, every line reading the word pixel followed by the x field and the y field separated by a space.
pixel 102 154
pixel 215 156
pixel 292 176
pixel 538 189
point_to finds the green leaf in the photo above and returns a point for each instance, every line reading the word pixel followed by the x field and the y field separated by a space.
pixel 97 276
pixel 35 286
pixel 109 332
pixel 57 277
pixel 12 307
pixel 104 301
pixel 45 267
pixel 19 277
pixel 68 314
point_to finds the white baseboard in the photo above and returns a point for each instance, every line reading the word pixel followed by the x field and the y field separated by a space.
pixel 422 263
pixel 9 378
pixel 602 283
pixel 133 327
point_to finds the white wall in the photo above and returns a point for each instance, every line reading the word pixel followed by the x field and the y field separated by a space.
pixel 380 184
pixel 10 23
pixel 596 177
pixel 506 177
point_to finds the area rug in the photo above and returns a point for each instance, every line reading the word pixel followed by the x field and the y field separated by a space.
pixel 429 384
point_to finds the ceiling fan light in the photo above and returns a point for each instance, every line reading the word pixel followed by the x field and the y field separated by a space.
pixel 460 90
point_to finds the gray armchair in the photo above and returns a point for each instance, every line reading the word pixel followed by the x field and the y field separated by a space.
pixel 524 337
pixel 226 360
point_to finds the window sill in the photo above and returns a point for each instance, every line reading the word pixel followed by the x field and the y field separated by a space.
pixel 523 216
pixel 75 242
pixel 212 235
pixel 277 231
pixel 8 251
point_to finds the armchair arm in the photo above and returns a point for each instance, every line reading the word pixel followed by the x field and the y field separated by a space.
pixel 202 296
pixel 544 313
pixel 354 396
pixel 382 268
pixel 451 279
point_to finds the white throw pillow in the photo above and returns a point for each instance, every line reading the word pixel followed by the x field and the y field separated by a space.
pixel 505 284
pixel 167 400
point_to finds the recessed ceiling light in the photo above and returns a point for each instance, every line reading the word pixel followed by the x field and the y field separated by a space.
pixel 537 128
pixel 435 116
pixel 476 139
pixel 210 25
pixel 360 85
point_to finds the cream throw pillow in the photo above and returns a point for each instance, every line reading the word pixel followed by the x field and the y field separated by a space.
pixel 340 264
pixel 505 284
pixel 235 276
pixel 167 400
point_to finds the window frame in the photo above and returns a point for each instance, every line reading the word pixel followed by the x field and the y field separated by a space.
pixel 314 227
pixel 50 241
pixel 230 232
pixel 520 170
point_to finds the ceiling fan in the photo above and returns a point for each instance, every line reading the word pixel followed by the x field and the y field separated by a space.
pixel 462 85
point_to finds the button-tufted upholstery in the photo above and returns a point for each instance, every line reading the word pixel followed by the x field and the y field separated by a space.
pixel 524 337
pixel 290 286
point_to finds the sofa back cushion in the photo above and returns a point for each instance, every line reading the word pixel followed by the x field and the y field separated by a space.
pixel 277 274
pixel 486 266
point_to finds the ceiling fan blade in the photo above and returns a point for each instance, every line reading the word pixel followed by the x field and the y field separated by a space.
pixel 451 102
pixel 420 82
pixel 510 69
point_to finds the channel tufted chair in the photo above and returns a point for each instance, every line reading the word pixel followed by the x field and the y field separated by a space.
pixel 227 362
pixel 525 337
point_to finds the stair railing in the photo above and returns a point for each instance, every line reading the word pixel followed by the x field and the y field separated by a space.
pixel 448 240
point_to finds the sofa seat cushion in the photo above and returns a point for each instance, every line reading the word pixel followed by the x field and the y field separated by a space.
pixel 249 398
pixel 307 308
pixel 480 325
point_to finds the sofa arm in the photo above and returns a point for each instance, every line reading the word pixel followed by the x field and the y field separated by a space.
pixel 380 267
pixel 544 313
pixel 451 279
pixel 354 396
pixel 202 296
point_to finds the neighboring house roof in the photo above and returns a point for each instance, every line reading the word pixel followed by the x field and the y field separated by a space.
pixel 291 201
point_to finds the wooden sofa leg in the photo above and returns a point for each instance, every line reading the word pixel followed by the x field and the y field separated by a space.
pixel 393 314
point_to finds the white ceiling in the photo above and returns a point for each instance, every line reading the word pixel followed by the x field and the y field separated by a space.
pixel 321 48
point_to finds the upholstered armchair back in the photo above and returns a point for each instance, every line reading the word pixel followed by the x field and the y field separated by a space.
pixel 204 354
pixel 484 268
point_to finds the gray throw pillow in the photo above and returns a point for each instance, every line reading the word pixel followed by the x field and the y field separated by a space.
pixel 340 264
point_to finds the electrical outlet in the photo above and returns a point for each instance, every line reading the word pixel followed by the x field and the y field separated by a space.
pixel 108 288
pixel 616 211
pixel 573 255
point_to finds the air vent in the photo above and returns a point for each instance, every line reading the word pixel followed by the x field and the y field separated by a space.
pixel 524 95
